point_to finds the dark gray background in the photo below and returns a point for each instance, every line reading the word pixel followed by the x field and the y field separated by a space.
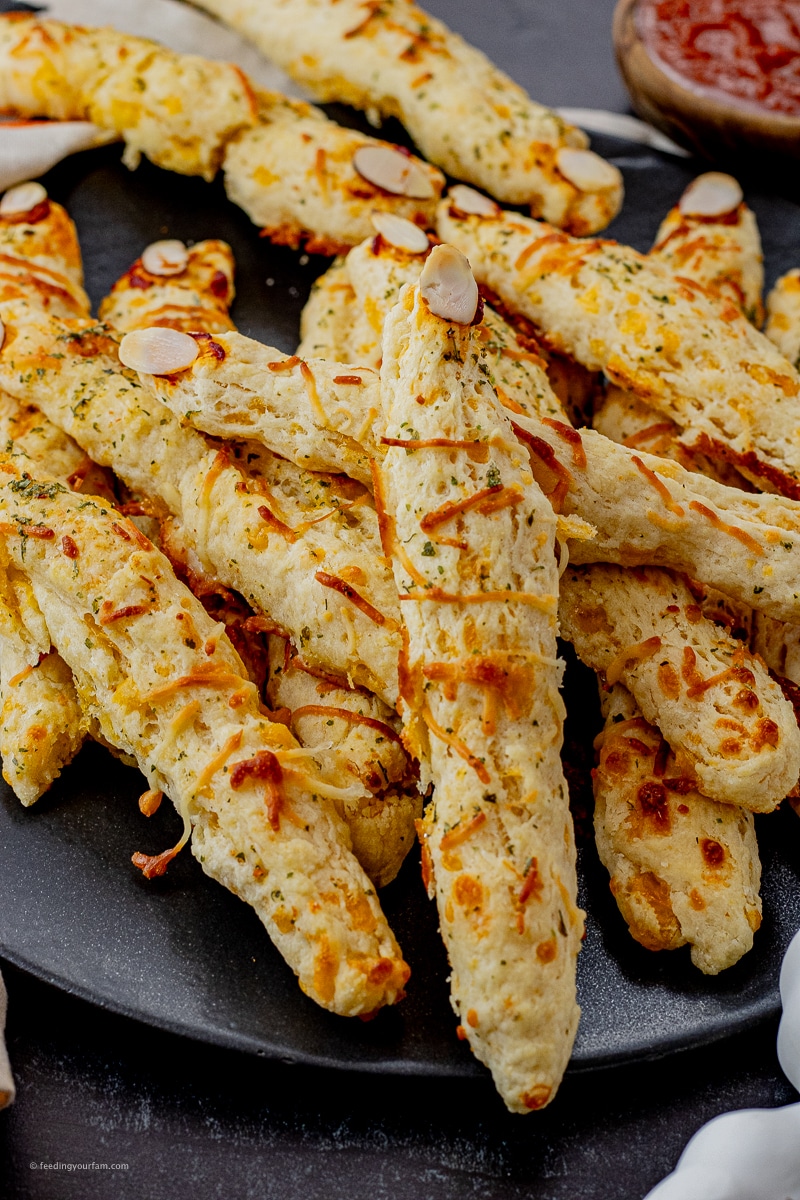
pixel 194 1121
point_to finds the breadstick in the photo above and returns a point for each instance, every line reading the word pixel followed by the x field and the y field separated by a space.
pixel 326 316
pixel 783 316
pixel 316 413
pixel 41 723
pixel 711 237
pixel 719 247
pixel 355 737
pixel 321 579
pixel 166 687
pixel 713 702
pixel 395 60
pixel 684 869
pixel 725 385
pixel 305 180
pixel 297 174
pixel 174 286
pixel 481 707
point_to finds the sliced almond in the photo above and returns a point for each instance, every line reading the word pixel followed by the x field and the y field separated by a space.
pixel 400 233
pixel 22 199
pixel 473 203
pixel 2 334
pixel 711 195
pixel 157 351
pixel 165 258
pixel 448 285
pixel 393 171
pixel 587 170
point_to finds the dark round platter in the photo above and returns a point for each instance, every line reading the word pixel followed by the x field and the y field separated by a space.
pixel 183 954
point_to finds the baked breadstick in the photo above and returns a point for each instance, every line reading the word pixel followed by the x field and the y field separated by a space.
pixel 684 869
pixel 783 316
pixel 39 253
pixel 305 180
pixel 316 413
pixel 166 687
pixel 41 723
pixel 323 580
pixel 394 60
pixel 179 110
pixel 472 545
pixel 712 700
pixel 174 286
pixel 712 237
pixel 326 316
pixel 297 174
pixel 356 739
pixel 725 385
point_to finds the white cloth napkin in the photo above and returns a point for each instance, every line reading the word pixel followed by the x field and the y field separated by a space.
pixel 7 1089
pixel 753 1154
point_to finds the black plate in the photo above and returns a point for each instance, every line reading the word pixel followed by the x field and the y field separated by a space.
pixel 183 954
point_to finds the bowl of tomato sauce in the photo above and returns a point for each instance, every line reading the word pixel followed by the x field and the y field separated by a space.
pixel 721 77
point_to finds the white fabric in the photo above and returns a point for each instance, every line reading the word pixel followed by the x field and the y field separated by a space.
pixel 7 1088
pixel 753 1154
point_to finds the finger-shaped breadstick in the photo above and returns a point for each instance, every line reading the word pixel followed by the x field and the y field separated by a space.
pixel 684 869
pixel 783 316
pixel 166 686
pixel 39 253
pixel 175 286
pixel 318 414
pixel 472 545
pixel 42 726
pixel 728 388
pixel 712 700
pixel 712 237
pixel 41 723
pixel 304 179
pixel 297 174
pixel 464 114
pixel 624 418
pixel 301 548
pixel 356 738
pixel 327 315
pixel 178 109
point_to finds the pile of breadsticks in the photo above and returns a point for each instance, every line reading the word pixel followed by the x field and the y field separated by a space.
pixel 302 592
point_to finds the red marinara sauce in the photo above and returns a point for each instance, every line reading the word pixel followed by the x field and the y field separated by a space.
pixel 747 49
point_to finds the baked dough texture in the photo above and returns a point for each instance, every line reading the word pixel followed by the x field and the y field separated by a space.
pixel 472 543
pixel 684 869
pixel 314 412
pixel 726 386
pixel 285 163
pixel 197 298
pixel 293 174
pixel 714 703
pixel 42 725
pixel 166 687
pixel 326 315
pixel 313 562
pixel 355 737
pixel 783 316
pixel 395 60
pixel 721 253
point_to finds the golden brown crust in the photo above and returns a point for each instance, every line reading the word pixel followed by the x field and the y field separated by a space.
pixel 166 686
pixel 683 868
pixel 472 543
pixel 198 298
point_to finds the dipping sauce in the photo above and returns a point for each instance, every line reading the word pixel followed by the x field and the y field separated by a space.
pixel 748 50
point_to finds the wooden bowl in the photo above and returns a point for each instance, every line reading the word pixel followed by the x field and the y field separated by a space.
pixel 720 128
